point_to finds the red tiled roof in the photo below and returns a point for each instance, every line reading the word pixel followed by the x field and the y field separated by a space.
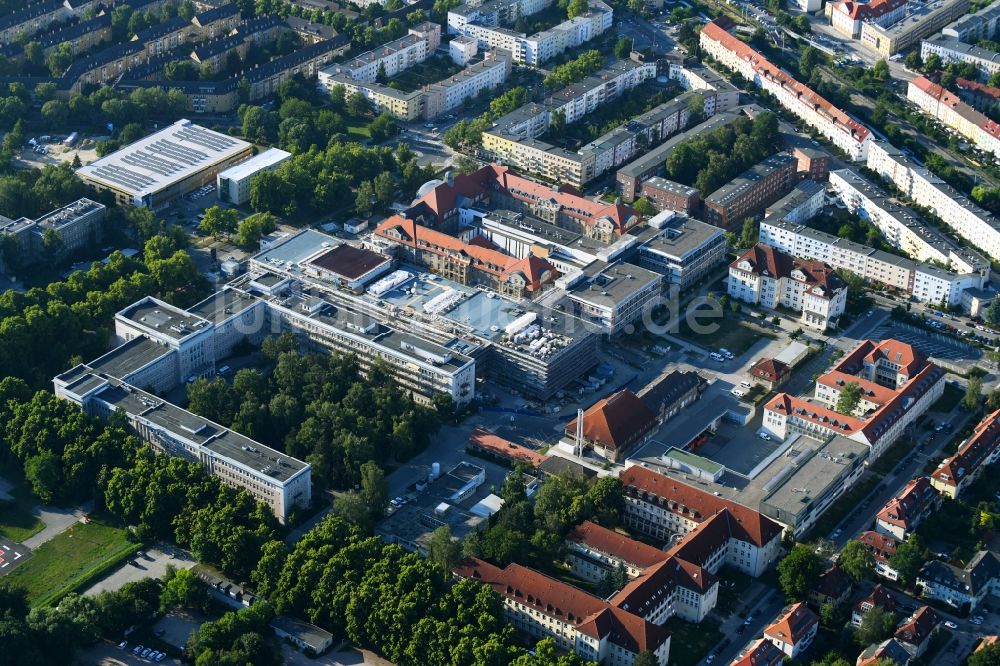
pixel 979 89
pixel 973 454
pixel 700 506
pixel 918 627
pixel 647 590
pixel 487 441
pixel 769 369
pixel 794 625
pixel 762 652
pixel 534 269
pixel 789 405
pixel 617 421
pixel 833 582
pixel 590 615
pixel 867 11
pixel 616 544
pixel 768 70
pixel 986 642
pixel 879 598
pixel 952 101
pixel 904 509
pixel 765 260
pixel 909 358
pixel 883 546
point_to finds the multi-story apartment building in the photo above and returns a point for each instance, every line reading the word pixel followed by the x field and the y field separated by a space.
pixel 978 95
pixel 717 530
pixel 670 195
pixel 74 225
pixel 847 16
pixel 390 59
pixel 957 472
pixel 492 13
pixel 838 127
pixel 751 191
pixel 593 552
pixel 948 108
pixel 430 101
pixel 899 385
pixel 766 277
pixel 80 35
pixel 486 29
pixel 32 18
pixel 164 37
pixel 902 514
pixel 951 50
pixel 216 21
pixel 213 56
pixel 760 652
pixel 972 28
pixel 578 621
pixel 968 220
pixel 922 20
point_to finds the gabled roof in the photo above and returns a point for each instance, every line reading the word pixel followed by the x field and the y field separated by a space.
pixel 765 260
pixel 918 627
pixel 535 271
pixel 794 625
pixel 590 615
pixel 769 369
pixel 880 597
pixel 700 506
pixel 867 11
pixel 973 454
pixel 905 509
pixel 887 649
pixel 616 544
pixel 833 582
pixel 616 421
pixel 980 572
pixel 761 652
pixel 883 546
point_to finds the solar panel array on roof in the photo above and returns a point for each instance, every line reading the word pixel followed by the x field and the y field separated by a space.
pixel 122 176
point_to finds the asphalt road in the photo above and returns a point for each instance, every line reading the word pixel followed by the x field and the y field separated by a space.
pixel 12 555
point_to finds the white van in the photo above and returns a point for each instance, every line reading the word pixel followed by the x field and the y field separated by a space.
pixel 223 370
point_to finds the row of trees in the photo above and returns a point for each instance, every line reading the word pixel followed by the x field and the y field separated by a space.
pixel 469 132
pixel 713 158
pixel 397 603
pixel 317 407
pixel 579 68
pixel 42 331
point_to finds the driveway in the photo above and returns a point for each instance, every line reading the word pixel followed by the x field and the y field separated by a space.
pixel 56 522
pixel 152 565
pixel 764 606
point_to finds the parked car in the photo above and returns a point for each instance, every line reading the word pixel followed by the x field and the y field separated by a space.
pixel 145 653
pixel 137 649
pixel 746 384
pixel 123 645
pixel 951 625
pixel 764 436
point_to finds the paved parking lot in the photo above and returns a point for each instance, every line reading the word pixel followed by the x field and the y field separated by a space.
pixel 152 565
pixel 932 344
pixel 12 555
pixel 178 625
pixel 106 654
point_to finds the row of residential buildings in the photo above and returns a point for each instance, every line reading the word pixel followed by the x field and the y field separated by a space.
pixel 926 190
pixel 958 41
pixel 949 109
pixel 486 23
pixel 430 101
pixel 785 230
pixel 74 226
pixel 837 126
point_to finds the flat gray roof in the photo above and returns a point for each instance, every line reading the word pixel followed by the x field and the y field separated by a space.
pixel 681 237
pixel 222 305
pixel 164 318
pixel 653 160
pixel 129 357
pixel 617 282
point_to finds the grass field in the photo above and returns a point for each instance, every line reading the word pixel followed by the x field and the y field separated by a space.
pixel 690 643
pixel 432 70
pixel 732 335
pixel 951 397
pixel 16 520
pixel 70 559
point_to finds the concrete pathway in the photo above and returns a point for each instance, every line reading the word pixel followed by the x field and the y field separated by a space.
pixel 56 522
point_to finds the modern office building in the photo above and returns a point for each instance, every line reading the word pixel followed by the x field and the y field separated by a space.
pixel 923 20
pixel 685 252
pixel 165 165
pixel 233 184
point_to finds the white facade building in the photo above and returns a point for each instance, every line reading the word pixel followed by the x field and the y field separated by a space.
pixel 233 184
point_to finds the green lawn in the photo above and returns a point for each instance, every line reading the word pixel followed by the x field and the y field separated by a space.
pixel 690 643
pixel 359 130
pixel 16 520
pixel 432 70
pixel 951 397
pixel 733 335
pixel 72 558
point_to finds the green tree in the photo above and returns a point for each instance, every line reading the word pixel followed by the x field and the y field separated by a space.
pixel 876 625
pixel 988 655
pixel 251 229
pixel 856 560
pixel 880 72
pixel 14 139
pixel 849 399
pixel 357 105
pixel 271 193
pixel 576 8
pixel 992 312
pixel 443 549
pixel 55 112
pixel 696 106
pixel 383 127
pixel 645 658
pixel 973 394
pixel 181 588
pixel 59 59
pixel 801 24
pixel 933 63
pixel 909 557
pixel 374 488
pixel 913 61
pixel 643 207
pixel 219 221
pixel 364 200
pixel 623 47
pixel 799 571
pixel 381 76
pixel 749 234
